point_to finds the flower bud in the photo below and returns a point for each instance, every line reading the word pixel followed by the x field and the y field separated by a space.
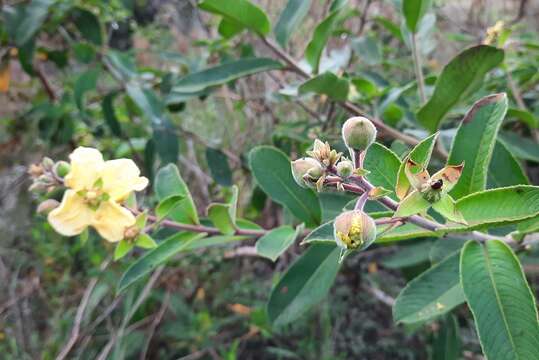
pixel 354 229
pixel 61 168
pixel 131 232
pixel 358 133
pixel 306 169
pixel 47 163
pixel 47 206
pixel 35 170
pixel 345 168
pixel 38 187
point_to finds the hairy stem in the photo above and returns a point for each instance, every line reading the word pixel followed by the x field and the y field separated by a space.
pixel 418 71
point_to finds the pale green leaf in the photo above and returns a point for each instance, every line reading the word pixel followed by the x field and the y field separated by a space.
pixel 383 165
pixel 145 241
pixel 412 204
pixel 290 19
pixel 168 204
pixel 327 84
pixel 122 249
pixel 240 12
pixel 223 216
pixel 275 242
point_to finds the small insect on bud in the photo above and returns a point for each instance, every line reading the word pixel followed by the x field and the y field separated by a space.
pixel 354 229
pixel 358 133
pixel 47 206
pixel 61 168
pixel 306 171
pixel 345 168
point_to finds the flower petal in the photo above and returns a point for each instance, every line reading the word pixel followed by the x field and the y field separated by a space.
pixel 86 166
pixel 111 220
pixel 72 216
pixel 450 176
pixel 121 177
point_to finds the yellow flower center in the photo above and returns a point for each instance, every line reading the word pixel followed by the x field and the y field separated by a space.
pixel 354 238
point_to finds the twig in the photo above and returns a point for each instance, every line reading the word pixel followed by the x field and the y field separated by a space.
pixel 80 313
pixel 46 85
pixel 154 324
pixel 418 71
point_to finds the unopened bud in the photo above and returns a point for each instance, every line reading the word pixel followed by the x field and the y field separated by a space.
pixel 358 133
pixel 35 170
pixel 47 163
pixel 38 187
pixel 306 169
pixel 46 179
pixel 354 229
pixel 131 232
pixel 47 206
pixel 345 168
pixel 61 168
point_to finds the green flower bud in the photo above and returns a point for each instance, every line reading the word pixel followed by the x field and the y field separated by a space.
pixel 306 171
pixel 47 163
pixel 345 168
pixel 354 229
pixel 61 168
pixel 358 133
pixel 47 206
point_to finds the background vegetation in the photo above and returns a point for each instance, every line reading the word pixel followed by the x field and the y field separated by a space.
pixel 112 75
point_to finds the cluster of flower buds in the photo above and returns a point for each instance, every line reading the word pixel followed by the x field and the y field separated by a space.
pixel 47 175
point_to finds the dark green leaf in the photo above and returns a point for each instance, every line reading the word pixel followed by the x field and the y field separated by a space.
pixel 33 16
pixel 166 205
pixel 304 284
pixel 522 148
pixel 413 11
pixel 464 73
pixel 383 165
pixel 431 294
pixel 167 143
pixel 88 25
pixel 276 241
pixel 447 341
pixel 271 169
pixel 290 19
pixel 110 115
pixel 327 84
pixel 504 169
pixel 241 12
pixel 219 167
pixel 501 301
pixel 221 74
pixel 474 143
pixel 86 82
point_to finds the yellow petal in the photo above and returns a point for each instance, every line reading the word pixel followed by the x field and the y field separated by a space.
pixel 86 167
pixel 72 216
pixel 121 177
pixel 111 220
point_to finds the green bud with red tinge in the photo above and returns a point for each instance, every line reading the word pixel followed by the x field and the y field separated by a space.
pixel 306 171
pixel 358 133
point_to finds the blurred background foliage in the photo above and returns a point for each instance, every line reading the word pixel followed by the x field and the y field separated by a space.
pixel 108 74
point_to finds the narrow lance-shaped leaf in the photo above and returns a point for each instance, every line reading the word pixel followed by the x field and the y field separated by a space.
pixel 463 74
pixel 168 182
pixel 271 169
pixel 431 294
pixel 413 11
pixel 34 15
pixel 474 143
pixel 501 301
pixel 86 82
pixel 241 12
pixel 221 74
pixel 290 19
pixel 447 341
pixel 304 284
pixel 420 154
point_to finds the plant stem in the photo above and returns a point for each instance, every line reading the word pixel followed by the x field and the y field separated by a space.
pixel 352 108
pixel 418 71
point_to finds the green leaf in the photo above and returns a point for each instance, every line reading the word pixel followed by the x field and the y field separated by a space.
pixel 412 204
pixel 431 294
pixel 444 247
pixel 327 84
pixel 500 206
pixel 413 11
pixel 383 164
pixel 409 255
pixel 122 65
pixel 504 169
pixel 321 35
pixel 167 143
pixel 221 74
pixel 219 167
pixel 522 148
pixel 122 249
pixel 474 143
pixel 420 154
pixel 32 17
pixel 110 115
pixel 463 74
pixel 323 233
pixel 290 19
pixel 169 182
pixel 305 284
pixel 229 29
pixel 223 216
pixel 168 204
pixel 274 243
pixel 147 101
pixel 86 82
pixel 214 241
pixel 447 208
pixel 271 169
pixel 145 241
pixel 240 12
pixel 501 301
pixel 368 49
pixel 525 116
pixel 446 344
pixel 88 25
pixel 149 261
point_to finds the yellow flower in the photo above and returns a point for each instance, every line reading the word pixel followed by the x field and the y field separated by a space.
pixel 96 189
